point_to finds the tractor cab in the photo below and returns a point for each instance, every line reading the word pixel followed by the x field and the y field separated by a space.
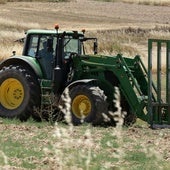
pixel 53 48
pixel 53 51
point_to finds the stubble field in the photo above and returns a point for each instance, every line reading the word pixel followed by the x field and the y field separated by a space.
pixel 120 28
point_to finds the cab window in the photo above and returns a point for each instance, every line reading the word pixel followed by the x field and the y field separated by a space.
pixel 71 46
pixel 33 44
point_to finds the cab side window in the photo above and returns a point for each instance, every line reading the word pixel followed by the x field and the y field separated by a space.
pixel 33 44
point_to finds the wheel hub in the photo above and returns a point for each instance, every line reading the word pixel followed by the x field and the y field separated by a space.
pixel 81 106
pixel 11 93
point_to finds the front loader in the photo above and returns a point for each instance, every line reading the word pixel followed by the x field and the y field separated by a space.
pixel 55 62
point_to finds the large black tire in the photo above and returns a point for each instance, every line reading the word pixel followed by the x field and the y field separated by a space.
pixel 19 92
pixel 87 104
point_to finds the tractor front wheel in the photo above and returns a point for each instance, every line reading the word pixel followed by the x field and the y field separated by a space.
pixel 87 104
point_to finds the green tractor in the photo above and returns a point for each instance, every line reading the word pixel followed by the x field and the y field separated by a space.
pixel 54 62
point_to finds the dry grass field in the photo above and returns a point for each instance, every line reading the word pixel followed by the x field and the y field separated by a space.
pixel 121 27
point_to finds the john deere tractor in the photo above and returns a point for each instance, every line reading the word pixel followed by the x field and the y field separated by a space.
pixel 54 62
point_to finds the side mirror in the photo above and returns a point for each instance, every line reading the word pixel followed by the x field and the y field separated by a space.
pixel 95 47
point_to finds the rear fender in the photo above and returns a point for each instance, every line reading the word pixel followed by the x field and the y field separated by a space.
pixel 27 62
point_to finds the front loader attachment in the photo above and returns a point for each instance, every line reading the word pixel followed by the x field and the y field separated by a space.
pixel 133 79
pixel 159 73
pixel 148 91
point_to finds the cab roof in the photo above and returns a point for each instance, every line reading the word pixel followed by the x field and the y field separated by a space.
pixel 46 31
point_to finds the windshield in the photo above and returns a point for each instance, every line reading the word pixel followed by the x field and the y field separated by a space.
pixel 71 46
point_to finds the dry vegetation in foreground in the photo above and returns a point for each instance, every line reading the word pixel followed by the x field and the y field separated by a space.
pixel 37 146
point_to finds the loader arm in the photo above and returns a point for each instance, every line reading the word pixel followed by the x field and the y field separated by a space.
pixel 132 76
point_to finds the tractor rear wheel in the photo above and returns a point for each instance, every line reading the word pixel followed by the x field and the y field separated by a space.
pixel 87 104
pixel 19 92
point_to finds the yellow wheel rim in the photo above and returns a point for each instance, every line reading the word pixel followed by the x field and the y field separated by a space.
pixel 11 93
pixel 81 106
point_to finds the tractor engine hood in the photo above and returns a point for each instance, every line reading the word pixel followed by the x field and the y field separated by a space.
pixel 105 61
